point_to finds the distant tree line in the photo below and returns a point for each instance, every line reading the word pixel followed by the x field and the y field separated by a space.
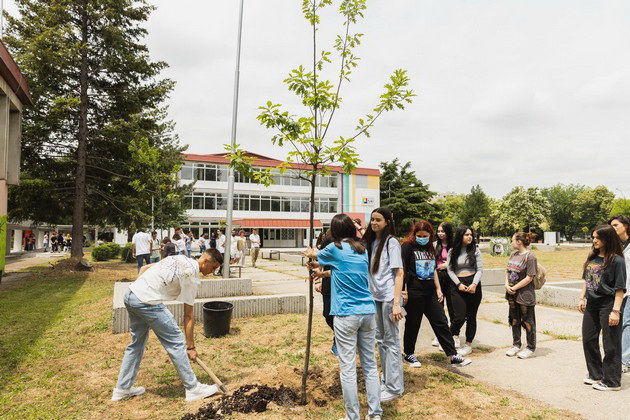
pixel 571 209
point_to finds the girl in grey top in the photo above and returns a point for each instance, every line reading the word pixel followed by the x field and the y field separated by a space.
pixel 465 266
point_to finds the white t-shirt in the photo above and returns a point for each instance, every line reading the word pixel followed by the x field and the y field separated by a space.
pixel 220 244
pixel 173 278
pixel 253 238
pixel 382 282
pixel 180 245
pixel 142 240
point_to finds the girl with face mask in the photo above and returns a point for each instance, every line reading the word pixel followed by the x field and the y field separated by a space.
pixel 424 295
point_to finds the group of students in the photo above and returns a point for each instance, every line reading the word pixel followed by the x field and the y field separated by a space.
pixel 369 281
pixel 58 242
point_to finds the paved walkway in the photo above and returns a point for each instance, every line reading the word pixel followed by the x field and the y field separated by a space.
pixel 553 376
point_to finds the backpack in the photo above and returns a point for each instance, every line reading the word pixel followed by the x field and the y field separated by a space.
pixel 541 274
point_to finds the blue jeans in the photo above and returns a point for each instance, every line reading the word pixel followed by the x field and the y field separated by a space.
pixel 388 341
pixel 625 332
pixel 143 317
pixel 188 251
pixel 142 259
pixel 354 332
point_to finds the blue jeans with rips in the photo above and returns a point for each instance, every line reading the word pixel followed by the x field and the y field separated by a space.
pixel 143 317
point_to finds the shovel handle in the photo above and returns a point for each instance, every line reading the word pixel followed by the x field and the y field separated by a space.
pixel 211 374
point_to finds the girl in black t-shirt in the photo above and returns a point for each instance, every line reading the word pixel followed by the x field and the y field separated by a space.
pixel 604 286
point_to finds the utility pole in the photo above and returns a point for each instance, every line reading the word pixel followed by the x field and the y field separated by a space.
pixel 230 203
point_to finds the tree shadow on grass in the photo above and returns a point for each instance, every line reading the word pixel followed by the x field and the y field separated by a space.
pixel 27 311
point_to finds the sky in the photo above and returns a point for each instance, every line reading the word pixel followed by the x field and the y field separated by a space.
pixel 509 92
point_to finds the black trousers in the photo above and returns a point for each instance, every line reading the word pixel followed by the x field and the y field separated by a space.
pixel 427 305
pixel 447 284
pixel 465 307
pixel 326 312
pixel 596 320
pixel 525 317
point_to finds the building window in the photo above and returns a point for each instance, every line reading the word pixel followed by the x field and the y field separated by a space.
pixel 186 172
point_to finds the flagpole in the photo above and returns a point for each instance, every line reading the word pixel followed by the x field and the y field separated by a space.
pixel 230 203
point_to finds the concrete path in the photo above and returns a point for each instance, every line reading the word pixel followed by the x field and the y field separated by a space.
pixel 553 376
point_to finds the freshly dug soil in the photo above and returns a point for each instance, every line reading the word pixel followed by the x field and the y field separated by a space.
pixel 71 264
pixel 250 398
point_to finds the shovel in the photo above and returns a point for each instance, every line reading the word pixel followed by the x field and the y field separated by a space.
pixel 212 375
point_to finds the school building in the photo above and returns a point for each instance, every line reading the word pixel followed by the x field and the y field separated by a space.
pixel 280 212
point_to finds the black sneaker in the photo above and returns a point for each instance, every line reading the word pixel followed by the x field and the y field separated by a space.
pixel 458 360
pixel 412 360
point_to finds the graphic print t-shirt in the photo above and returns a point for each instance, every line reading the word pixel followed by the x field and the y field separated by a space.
pixel 419 269
pixel 520 266
pixel 602 283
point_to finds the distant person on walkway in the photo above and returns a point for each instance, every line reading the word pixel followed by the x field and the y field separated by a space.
pixel 621 224
pixel 221 247
pixel 386 277
pixel 68 243
pixel 179 243
pixel 155 248
pixel 424 295
pixel 141 248
pixel 53 242
pixel 189 238
pixel 254 239
pixel 465 267
pixel 173 278
pixel 604 287
pixel 203 243
pixel 442 245
pixel 242 246
pixel 234 252
pixel 521 295
pixel 213 241
pixel 46 242
pixel 353 306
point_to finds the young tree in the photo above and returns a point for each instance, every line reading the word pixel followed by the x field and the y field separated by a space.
pixel 310 138
pixel 95 92
pixel 405 195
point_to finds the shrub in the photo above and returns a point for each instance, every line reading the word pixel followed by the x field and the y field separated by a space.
pixel 113 249
pixel 100 253
pixel 126 254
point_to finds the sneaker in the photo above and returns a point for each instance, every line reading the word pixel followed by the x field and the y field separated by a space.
pixel 333 350
pixel 120 394
pixel 200 391
pixel 600 386
pixel 625 369
pixel 512 352
pixel 525 354
pixel 456 340
pixel 412 361
pixel 465 351
pixel 374 417
pixel 388 396
pixel 458 360
pixel 590 381
pixel 435 342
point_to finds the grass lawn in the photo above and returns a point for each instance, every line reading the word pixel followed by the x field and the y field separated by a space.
pixel 560 265
pixel 58 359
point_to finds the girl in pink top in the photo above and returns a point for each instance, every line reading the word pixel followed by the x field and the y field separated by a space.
pixel 442 246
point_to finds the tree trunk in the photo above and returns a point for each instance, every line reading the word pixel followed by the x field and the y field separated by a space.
pixel 79 194
pixel 130 233
pixel 309 328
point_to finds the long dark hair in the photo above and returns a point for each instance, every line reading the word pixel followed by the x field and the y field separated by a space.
pixel 448 230
pixel 612 245
pixel 457 248
pixel 342 229
pixel 421 225
pixel 621 219
pixel 370 236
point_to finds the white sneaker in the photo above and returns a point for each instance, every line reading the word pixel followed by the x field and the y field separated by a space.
pixel 512 352
pixel 525 354
pixel 200 391
pixel 374 417
pixel 464 351
pixel 590 381
pixel 625 369
pixel 435 342
pixel 456 340
pixel 387 396
pixel 120 394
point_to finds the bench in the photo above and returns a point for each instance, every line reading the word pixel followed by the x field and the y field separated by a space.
pixel 236 267
pixel 272 253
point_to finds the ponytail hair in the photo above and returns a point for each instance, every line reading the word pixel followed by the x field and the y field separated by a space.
pixel 525 237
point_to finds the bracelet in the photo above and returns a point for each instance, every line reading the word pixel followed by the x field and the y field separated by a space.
pixel 190 348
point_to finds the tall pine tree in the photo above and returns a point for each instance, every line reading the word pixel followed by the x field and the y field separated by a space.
pixel 96 144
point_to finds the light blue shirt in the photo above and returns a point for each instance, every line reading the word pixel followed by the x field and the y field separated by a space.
pixel 350 294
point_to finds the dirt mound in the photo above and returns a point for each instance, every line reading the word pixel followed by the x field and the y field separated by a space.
pixel 247 399
pixel 73 264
